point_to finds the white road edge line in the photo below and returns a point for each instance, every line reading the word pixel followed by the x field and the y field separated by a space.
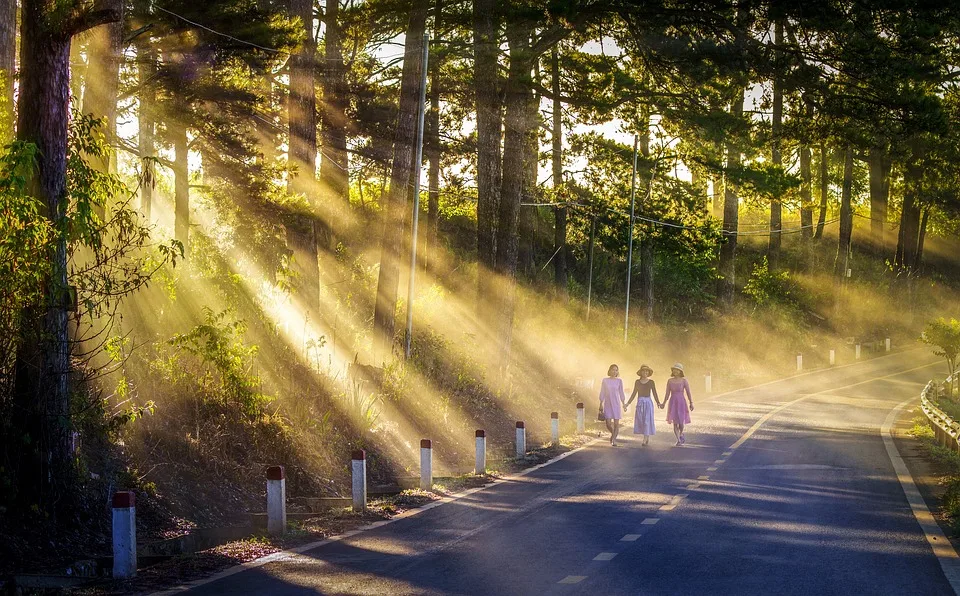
pixel 942 549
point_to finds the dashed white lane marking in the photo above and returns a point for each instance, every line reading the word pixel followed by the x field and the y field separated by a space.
pixel 604 556
pixel 572 579
pixel 630 538
pixel 712 469
pixel 727 453
pixel 942 549
pixel 719 462
pixel 703 478
pixel 650 521
pixel 669 507
pixel 693 486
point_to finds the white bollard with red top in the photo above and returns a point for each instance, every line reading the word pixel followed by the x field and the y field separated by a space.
pixel 481 464
pixel 857 352
pixel 580 418
pixel 833 357
pixel 888 344
pixel 359 484
pixel 555 428
pixel 799 362
pixel 124 535
pixel 708 383
pixel 521 440
pixel 276 501
pixel 426 464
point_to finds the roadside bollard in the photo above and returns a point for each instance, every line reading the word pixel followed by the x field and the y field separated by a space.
pixel 888 344
pixel 426 464
pixel 580 429
pixel 857 352
pixel 481 466
pixel 708 383
pixel 555 428
pixel 276 501
pixel 124 535
pixel 359 484
pixel 833 357
pixel 521 440
pixel 799 362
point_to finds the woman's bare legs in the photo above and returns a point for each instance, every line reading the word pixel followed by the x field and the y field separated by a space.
pixel 615 433
pixel 677 429
pixel 680 436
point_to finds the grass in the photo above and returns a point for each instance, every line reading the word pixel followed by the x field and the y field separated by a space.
pixel 949 462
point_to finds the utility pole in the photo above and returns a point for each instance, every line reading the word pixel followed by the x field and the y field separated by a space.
pixel 421 109
pixel 633 201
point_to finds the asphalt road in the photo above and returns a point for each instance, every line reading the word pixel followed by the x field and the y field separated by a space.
pixel 805 502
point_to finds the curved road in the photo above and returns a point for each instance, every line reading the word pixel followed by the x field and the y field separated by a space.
pixel 785 488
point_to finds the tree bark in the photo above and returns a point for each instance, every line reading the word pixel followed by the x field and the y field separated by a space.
pixel 646 240
pixel 528 192
pixel 907 244
pixel 731 215
pixel 560 211
pixel 335 162
pixel 806 193
pixel 181 183
pixel 824 190
pixel 433 151
pixel 776 205
pixel 846 215
pixel 394 208
pixel 146 121
pixel 486 49
pixel 880 165
pixel 102 81
pixel 302 109
pixel 518 87
pixel 41 382
pixel 921 237
pixel 8 65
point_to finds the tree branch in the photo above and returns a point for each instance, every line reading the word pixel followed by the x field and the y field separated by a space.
pixel 85 17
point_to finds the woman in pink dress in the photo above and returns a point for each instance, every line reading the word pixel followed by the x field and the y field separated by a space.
pixel 611 402
pixel 677 411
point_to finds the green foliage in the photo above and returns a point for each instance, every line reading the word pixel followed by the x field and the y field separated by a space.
pixel 221 365
pixel 944 336
pixel 766 288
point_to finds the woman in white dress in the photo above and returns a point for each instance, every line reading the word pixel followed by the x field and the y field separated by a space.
pixel 645 391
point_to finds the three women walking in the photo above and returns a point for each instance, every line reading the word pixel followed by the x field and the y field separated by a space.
pixel 678 401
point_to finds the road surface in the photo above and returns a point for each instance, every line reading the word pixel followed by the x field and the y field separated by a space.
pixel 781 489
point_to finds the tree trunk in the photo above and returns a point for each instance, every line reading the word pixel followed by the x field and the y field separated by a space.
pixel 731 214
pixel 907 244
pixel 335 163
pixel 846 215
pixel 824 190
pixel 646 240
pixel 181 183
pixel 302 109
pixel 486 47
pixel 921 237
pixel 517 127
pixel 776 205
pixel 433 151
pixel 8 66
pixel 806 193
pixel 560 211
pixel 102 81
pixel 42 370
pixel 879 196
pixel 395 203
pixel 146 121
pixel 528 193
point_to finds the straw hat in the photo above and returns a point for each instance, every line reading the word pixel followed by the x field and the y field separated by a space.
pixel 677 366
pixel 644 367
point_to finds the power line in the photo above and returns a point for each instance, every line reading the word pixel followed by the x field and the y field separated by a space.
pixel 226 35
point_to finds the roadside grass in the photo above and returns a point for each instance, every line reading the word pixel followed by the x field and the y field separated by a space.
pixel 332 522
pixel 948 462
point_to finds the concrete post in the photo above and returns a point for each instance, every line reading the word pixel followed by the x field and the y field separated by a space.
pixel 555 428
pixel 359 484
pixel 426 464
pixel 833 357
pixel 481 466
pixel 888 344
pixel 521 440
pixel 799 362
pixel 708 383
pixel 124 535
pixel 276 501
pixel 857 352
pixel 580 418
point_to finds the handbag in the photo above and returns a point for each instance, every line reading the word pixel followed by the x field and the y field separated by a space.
pixel 600 415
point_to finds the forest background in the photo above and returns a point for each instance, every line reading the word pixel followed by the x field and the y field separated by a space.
pixel 206 215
